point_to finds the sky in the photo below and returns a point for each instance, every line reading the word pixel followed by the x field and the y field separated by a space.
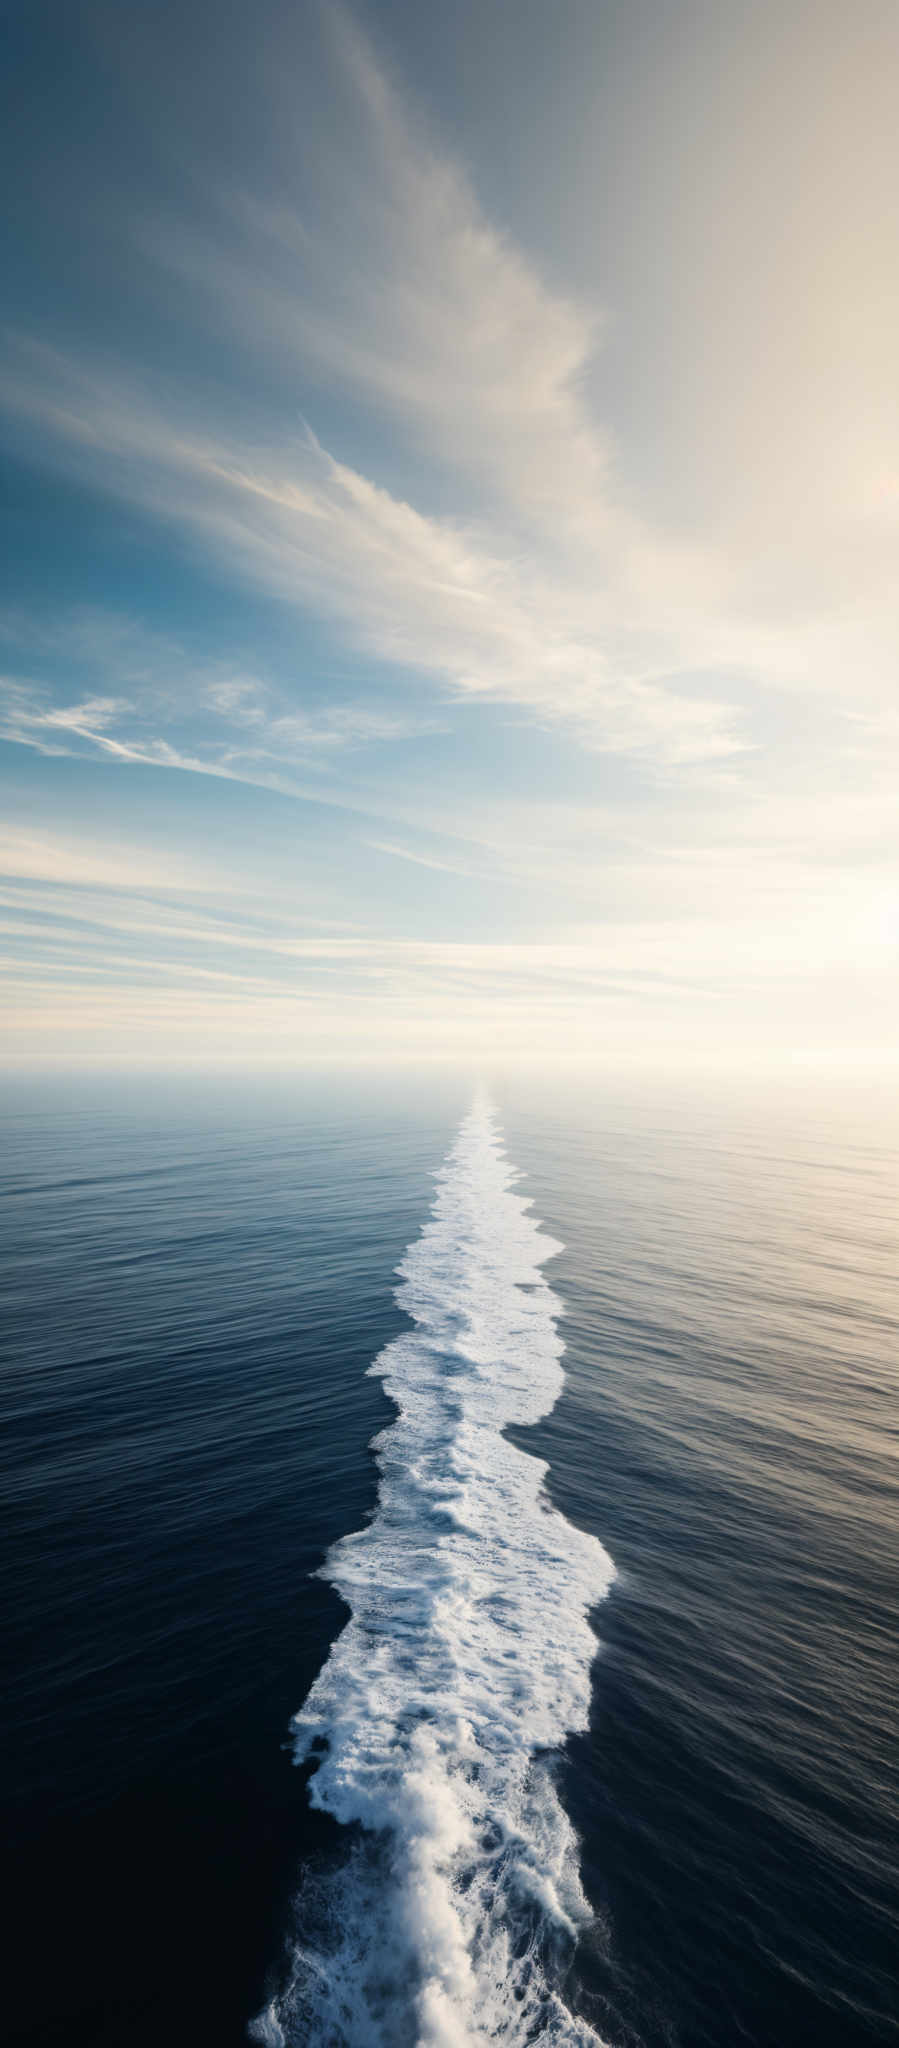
pixel 450 506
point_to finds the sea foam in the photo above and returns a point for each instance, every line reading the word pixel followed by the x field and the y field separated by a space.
pixel 465 1664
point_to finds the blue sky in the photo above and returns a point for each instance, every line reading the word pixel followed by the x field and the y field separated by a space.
pixel 451 494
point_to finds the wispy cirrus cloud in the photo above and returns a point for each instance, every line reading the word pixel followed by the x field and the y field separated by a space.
pixel 182 710
pixel 403 290
pixel 542 588
pixel 454 601
pixel 87 985
pixel 539 589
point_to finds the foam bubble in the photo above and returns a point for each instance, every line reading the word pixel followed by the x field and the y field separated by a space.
pixel 464 1666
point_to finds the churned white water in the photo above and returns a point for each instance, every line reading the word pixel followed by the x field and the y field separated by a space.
pixel 464 1666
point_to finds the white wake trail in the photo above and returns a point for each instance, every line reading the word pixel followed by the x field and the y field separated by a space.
pixel 464 1666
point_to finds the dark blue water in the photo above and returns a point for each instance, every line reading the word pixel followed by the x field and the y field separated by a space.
pixel 730 1423
pixel 195 1279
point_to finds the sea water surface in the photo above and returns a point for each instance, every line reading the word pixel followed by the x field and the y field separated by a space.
pixel 452 1563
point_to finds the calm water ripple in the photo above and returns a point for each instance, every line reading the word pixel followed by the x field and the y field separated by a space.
pixel 194 1283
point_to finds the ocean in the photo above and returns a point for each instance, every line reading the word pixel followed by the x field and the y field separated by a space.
pixel 452 1562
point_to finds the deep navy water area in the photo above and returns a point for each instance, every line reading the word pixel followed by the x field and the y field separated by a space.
pixel 196 1278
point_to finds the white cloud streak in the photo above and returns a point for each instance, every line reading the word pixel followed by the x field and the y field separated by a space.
pixel 544 590
pixel 456 601
pixel 81 958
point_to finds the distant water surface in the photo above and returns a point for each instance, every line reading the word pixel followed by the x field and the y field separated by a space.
pixel 196 1279
pixel 730 1424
